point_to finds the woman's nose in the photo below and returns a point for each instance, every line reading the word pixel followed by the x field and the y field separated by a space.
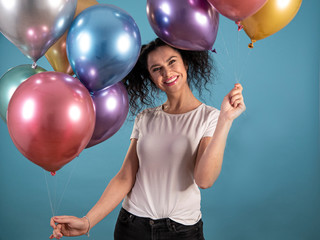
pixel 164 71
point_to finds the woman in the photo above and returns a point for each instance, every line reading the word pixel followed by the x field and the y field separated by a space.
pixel 175 149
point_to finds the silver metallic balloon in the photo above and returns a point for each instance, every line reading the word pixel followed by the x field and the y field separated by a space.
pixel 34 25
pixel 103 45
pixel 185 24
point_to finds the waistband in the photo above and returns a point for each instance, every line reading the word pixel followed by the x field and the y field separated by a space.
pixel 157 222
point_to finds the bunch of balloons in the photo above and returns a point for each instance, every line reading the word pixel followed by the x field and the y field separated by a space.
pixel 193 24
pixel 51 115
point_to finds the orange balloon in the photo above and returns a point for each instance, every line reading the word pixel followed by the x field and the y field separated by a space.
pixel 271 18
pixel 57 53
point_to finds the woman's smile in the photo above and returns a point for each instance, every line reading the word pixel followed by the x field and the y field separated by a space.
pixel 171 81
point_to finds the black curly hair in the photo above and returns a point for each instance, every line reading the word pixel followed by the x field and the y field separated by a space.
pixel 142 90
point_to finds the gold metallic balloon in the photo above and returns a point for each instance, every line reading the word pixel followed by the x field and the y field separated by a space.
pixel 271 18
pixel 57 54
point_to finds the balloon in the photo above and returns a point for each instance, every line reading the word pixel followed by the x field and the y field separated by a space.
pixel 51 119
pixel 11 80
pixel 103 45
pixel 189 25
pixel 57 54
pixel 237 10
pixel 112 108
pixel 274 16
pixel 34 25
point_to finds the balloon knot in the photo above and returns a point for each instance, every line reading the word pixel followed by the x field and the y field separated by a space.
pixel 214 50
pixel 53 173
pixel 34 65
pixel 250 45
pixel 240 26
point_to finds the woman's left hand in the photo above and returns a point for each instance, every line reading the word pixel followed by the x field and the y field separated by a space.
pixel 233 105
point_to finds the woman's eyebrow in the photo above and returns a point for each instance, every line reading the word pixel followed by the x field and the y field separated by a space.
pixel 168 60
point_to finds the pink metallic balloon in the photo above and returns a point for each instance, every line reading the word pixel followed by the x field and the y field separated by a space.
pixel 51 119
pixel 189 25
pixel 112 108
pixel 237 10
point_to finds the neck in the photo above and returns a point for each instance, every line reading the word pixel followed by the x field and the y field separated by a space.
pixel 181 103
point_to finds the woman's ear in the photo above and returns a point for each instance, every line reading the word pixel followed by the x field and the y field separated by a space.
pixel 187 67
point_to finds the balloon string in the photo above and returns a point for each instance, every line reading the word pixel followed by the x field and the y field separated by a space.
pixel 34 65
pixel 49 195
pixel 227 52
pixel 236 72
pixel 244 63
pixel 67 184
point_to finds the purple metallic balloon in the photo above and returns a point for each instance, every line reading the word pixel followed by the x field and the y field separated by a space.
pixel 189 25
pixel 112 108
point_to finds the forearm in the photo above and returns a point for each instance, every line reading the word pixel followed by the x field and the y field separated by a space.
pixel 114 193
pixel 209 165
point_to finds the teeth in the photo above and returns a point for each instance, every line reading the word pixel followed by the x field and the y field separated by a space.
pixel 172 80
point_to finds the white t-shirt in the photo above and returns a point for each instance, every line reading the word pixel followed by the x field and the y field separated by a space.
pixel 167 148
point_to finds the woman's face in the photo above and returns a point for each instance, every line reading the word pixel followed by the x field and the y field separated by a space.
pixel 167 69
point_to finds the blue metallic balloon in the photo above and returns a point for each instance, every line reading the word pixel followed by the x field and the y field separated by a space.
pixel 103 45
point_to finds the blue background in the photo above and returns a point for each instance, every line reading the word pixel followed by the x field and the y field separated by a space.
pixel 269 187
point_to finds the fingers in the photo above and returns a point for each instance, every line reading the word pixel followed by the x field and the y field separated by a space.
pixel 52 223
pixel 238 86
pixel 237 103
pixel 57 228
pixel 236 90
pixel 235 95
pixel 62 219
pixel 236 98
pixel 56 232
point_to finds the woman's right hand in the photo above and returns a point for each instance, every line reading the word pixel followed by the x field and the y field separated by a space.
pixel 68 226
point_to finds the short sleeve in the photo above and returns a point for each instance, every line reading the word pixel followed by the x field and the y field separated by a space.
pixel 212 123
pixel 135 130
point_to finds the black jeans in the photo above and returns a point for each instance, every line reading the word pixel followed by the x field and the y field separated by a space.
pixel 131 227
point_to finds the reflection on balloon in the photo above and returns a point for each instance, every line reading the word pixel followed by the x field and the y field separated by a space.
pixel 271 18
pixel 10 81
pixel 51 119
pixel 35 25
pixel 103 45
pixel 237 10
pixel 111 105
pixel 57 54
pixel 189 25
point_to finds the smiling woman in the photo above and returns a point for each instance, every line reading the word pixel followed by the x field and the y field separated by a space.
pixel 198 65
pixel 176 148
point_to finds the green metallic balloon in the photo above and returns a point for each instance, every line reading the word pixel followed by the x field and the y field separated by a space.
pixel 11 80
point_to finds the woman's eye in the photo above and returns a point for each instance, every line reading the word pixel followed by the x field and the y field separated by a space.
pixel 156 69
pixel 172 61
